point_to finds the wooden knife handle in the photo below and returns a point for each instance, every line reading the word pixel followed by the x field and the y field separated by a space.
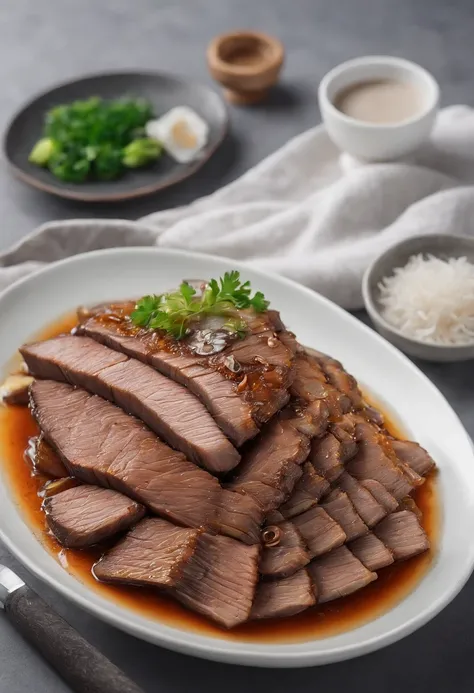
pixel 83 667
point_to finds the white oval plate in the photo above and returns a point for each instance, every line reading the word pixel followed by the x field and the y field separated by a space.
pixel 114 274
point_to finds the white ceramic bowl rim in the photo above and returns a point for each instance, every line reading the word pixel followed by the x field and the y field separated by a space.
pixel 372 307
pixel 117 273
pixel 380 60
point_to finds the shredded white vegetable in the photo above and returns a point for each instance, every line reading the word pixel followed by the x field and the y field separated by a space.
pixel 431 300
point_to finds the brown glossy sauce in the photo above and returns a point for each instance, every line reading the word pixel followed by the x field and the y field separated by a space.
pixel 392 585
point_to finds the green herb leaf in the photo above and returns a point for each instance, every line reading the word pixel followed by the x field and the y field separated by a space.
pixel 258 302
pixel 145 310
pixel 229 290
pixel 187 291
pixel 174 312
pixel 96 139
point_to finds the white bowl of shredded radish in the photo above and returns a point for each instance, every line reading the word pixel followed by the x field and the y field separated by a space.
pixel 420 296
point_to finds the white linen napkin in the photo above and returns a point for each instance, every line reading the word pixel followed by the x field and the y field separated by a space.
pixel 303 212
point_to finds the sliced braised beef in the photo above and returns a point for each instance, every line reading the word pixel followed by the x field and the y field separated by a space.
pixel 380 494
pixel 215 576
pixel 372 462
pixel 369 509
pixel 284 597
pixel 412 459
pixel 103 445
pixel 402 533
pixel 307 492
pixel 374 415
pixel 265 340
pixel 271 467
pixel 408 503
pixel 326 457
pixel 219 579
pixel 338 377
pixel 152 554
pixel 166 407
pixel 414 456
pixel 274 517
pixel 68 358
pixel 86 515
pixel 371 552
pixel 345 431
pixel 317 470
pixel 314 416
pixel 369 433
pixel 283 550
pixel 44 459
pixel 414 478
pixel 238 516
pixel 310 384
pixel 338 574
pixel 340 508
pixel 262 363
pixel 320 532
pixel 100 444
pixel 217 392
pixel 344 382
pixel 216 378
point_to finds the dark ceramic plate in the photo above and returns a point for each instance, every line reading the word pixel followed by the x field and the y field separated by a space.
pixel 163 91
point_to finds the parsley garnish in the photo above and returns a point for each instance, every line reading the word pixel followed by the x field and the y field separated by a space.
pixel 173 312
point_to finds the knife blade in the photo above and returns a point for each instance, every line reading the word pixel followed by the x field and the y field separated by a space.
pixel 82 666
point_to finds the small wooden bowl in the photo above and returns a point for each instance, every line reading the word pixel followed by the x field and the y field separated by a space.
pixel 246 63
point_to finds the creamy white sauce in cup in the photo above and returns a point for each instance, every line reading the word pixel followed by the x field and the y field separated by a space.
pixel 378 108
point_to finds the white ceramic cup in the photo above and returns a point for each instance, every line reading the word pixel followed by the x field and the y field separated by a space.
pixel 374 141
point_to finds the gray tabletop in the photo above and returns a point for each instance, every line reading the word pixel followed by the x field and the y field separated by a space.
pixel 42 43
